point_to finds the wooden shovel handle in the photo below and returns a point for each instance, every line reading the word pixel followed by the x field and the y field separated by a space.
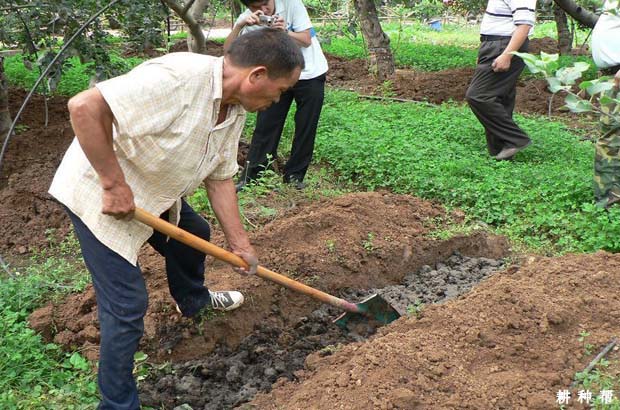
pixel 210 249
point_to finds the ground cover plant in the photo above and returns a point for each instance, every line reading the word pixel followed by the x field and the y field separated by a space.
pixel 418 47
pixel 544 198
pixel 76 76
pixel 35 374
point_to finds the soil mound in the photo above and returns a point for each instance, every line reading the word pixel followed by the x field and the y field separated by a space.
pixel 334 245
pixel 511 343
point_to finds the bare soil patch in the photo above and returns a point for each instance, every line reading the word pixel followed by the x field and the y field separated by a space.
pixel 511 343
pixel 442 86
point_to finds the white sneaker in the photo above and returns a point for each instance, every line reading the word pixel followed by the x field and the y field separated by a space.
pixel 223 300
pixel 226 300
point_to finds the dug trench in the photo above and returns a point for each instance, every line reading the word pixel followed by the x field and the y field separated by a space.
pixel 350 246
pixel 229 377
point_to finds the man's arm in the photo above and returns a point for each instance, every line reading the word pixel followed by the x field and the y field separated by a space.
pixel 502 63
pixel 91 118
pixel 223 199
pixel 301 38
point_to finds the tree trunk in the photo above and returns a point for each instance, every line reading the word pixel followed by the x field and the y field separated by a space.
pixel 235 11
pixel 565 36
pixel 380 53
pixel 196 41
pixel 585 17
pixel 5 116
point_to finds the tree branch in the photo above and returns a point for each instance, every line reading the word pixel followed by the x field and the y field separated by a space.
pixel 585 17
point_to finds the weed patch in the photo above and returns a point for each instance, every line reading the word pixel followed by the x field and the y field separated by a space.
pixel 543 198
pixel 75 78
pixel 33 374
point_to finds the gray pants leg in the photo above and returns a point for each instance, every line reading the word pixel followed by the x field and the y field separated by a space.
pixel 491 97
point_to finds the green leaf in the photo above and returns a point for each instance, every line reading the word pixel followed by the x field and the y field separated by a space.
pixel 555 85
pixel 576 104
pixel 140 356
pixel 605 99
pixel 568 75
pixel 78 362
pixel 549 58
pixel 581 66
pixel 599 87
pixel 534 64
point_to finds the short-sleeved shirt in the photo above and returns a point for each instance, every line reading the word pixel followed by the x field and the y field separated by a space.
pixel 297 19
pixel 501 17
pixel 166 140
pixel 606 37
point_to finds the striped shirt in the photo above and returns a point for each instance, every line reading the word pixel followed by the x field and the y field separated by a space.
pixel 166 141
pixel 502 16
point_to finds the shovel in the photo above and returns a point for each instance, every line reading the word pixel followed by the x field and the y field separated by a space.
pixel 373 309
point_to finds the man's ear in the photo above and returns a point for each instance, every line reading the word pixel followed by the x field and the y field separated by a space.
pixel 257 74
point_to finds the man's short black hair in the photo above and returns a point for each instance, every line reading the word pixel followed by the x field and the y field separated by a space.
pixel 268 47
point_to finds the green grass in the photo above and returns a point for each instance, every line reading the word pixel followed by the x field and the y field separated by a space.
pixel 417 55
pixel 75 78
pixel 34 374
pixel 418 47
pixel 604 376
pixel 543 199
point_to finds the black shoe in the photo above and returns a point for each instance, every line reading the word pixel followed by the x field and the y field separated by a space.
pixel 296 181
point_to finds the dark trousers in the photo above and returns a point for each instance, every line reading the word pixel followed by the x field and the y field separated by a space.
pixel 122 301
pixel 491 97
pixel 308 95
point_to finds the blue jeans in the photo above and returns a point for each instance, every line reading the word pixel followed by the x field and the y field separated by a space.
pixel 122 300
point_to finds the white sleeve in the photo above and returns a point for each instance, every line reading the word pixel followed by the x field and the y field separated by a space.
pixel 523 11
pixel 299 16
pixel 242 16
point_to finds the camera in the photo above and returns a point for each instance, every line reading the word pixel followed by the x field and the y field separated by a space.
pixel 266 20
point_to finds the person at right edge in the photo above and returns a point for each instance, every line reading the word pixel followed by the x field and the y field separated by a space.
pixel 606 56
pixel 491 95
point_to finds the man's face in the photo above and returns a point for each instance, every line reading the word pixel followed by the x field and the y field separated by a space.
pixel 263 91
pixel 268 7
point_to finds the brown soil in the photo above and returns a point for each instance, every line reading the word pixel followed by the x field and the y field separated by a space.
pixel 438 87
pixel 27 170
pixel 510 343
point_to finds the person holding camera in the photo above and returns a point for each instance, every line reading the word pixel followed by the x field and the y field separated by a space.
pixel 291 17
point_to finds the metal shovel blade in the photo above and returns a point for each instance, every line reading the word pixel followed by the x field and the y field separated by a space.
pixel 372 309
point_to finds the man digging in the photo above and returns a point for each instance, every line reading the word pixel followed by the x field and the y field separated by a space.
pixel 149 138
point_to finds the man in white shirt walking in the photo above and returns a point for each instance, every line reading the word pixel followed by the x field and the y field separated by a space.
pixel 491 94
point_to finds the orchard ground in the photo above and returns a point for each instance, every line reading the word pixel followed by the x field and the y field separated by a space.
pixel 483 327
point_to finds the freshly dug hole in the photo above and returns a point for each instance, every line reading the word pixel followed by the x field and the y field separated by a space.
pixel 229 377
